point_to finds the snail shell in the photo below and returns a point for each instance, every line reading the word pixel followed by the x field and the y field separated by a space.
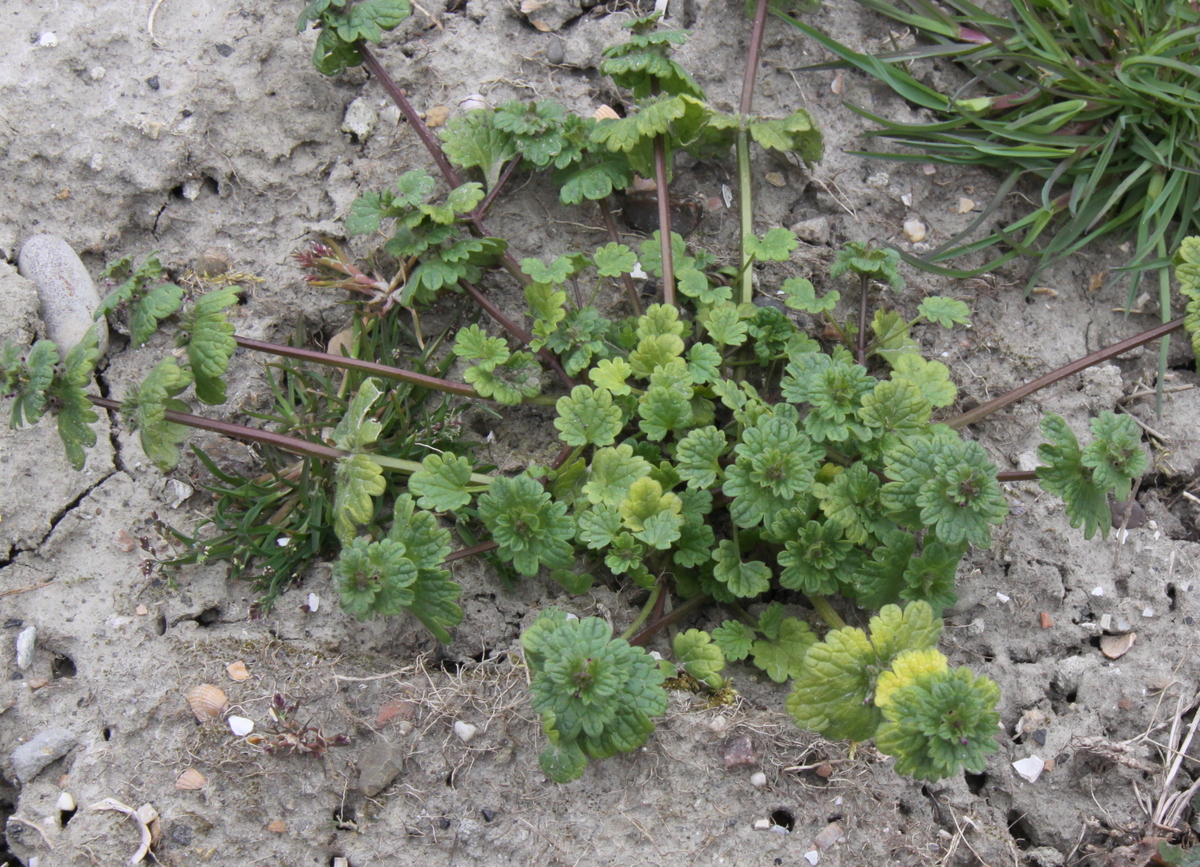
pixel 207 702
pixel 190 780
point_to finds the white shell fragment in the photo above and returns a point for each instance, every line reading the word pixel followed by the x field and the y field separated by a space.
pixel 812 856
pixel 1029 769
pixel 465 731
pixel 758 779
pixel 1003 597
pixel 65 802
pixel 965 205
pixel 65 290
pixel 914 230
pixel 26 640
pixel 1114 646
pixel 314 602
pixel 240 726
pixel 1097 591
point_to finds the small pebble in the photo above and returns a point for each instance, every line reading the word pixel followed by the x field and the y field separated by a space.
pixel 96 73
pixel 29 759
pixel 378 766
pixel 965 206
pixel 360 119
pixel 775 179
pixel 879 180
pixel 762 824
pixel 828 836
pixel 465 731
pixel 813 231
pixel 719 723
pixel 1003 597
pixel 914 230
pixel 739 751
pixel 49 39
pixel 1029 768
pixel 555 52
pixel 66 293
pixel 65 802
pixel 313 602
pixel 1098 591
pixel 153 83
pixel 277 827
pixel 26 640
pixel 1046 620
pixel 223 49
pixel 758 779
pixel 812 856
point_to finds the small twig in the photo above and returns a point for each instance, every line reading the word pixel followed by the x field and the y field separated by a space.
pixel 862 319
pixel 17 590
pixel 372 677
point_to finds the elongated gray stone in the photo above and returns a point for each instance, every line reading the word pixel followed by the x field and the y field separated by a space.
pixel 66 293
pixel 29 759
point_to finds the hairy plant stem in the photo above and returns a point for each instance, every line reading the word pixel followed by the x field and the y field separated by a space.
pixel 433 146
pixel 610 226
pixel 864 285
pixel 480 212
pixel 517 331
pixel 651 603
pixel 291 444
pixel 664 218
pixel 471 551
pixel 643 637
pixel 453 180
pixel 742 145
pixel 347 363
pixel 826 612
pixel 1098 357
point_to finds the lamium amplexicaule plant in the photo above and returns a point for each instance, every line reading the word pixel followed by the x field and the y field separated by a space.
pixel 712 451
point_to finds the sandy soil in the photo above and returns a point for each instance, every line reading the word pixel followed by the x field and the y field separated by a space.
pixel 214 131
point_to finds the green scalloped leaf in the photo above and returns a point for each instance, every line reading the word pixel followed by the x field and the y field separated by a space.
pixel 358 480
pixel 146 410
pixel 700 657
pixel 208 337
pixel 441 483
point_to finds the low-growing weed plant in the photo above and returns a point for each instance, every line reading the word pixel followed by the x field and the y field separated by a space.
pixel 713 452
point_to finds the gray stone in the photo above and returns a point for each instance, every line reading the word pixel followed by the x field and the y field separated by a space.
pixel 360 119
pixel 29 759
pixel 26 640
pixel 67 295
pixel 378 765
pixel 813 231
pixel 555 52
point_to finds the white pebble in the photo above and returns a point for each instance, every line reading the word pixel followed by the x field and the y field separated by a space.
pixel 812 856
pixel 26 640
pixel 360 119
pixel 719 723
pixel 49 39
pixel 67 295
pixel 1147 612
pixel 97 72
pixel 1003 598
pixel 465 731
pixel 758 779
pixel 914 230
pixel 314 602
pixel 762 824
pixel 65 802
pixel 241 726
pixel 1098 591
pixel 1029 769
